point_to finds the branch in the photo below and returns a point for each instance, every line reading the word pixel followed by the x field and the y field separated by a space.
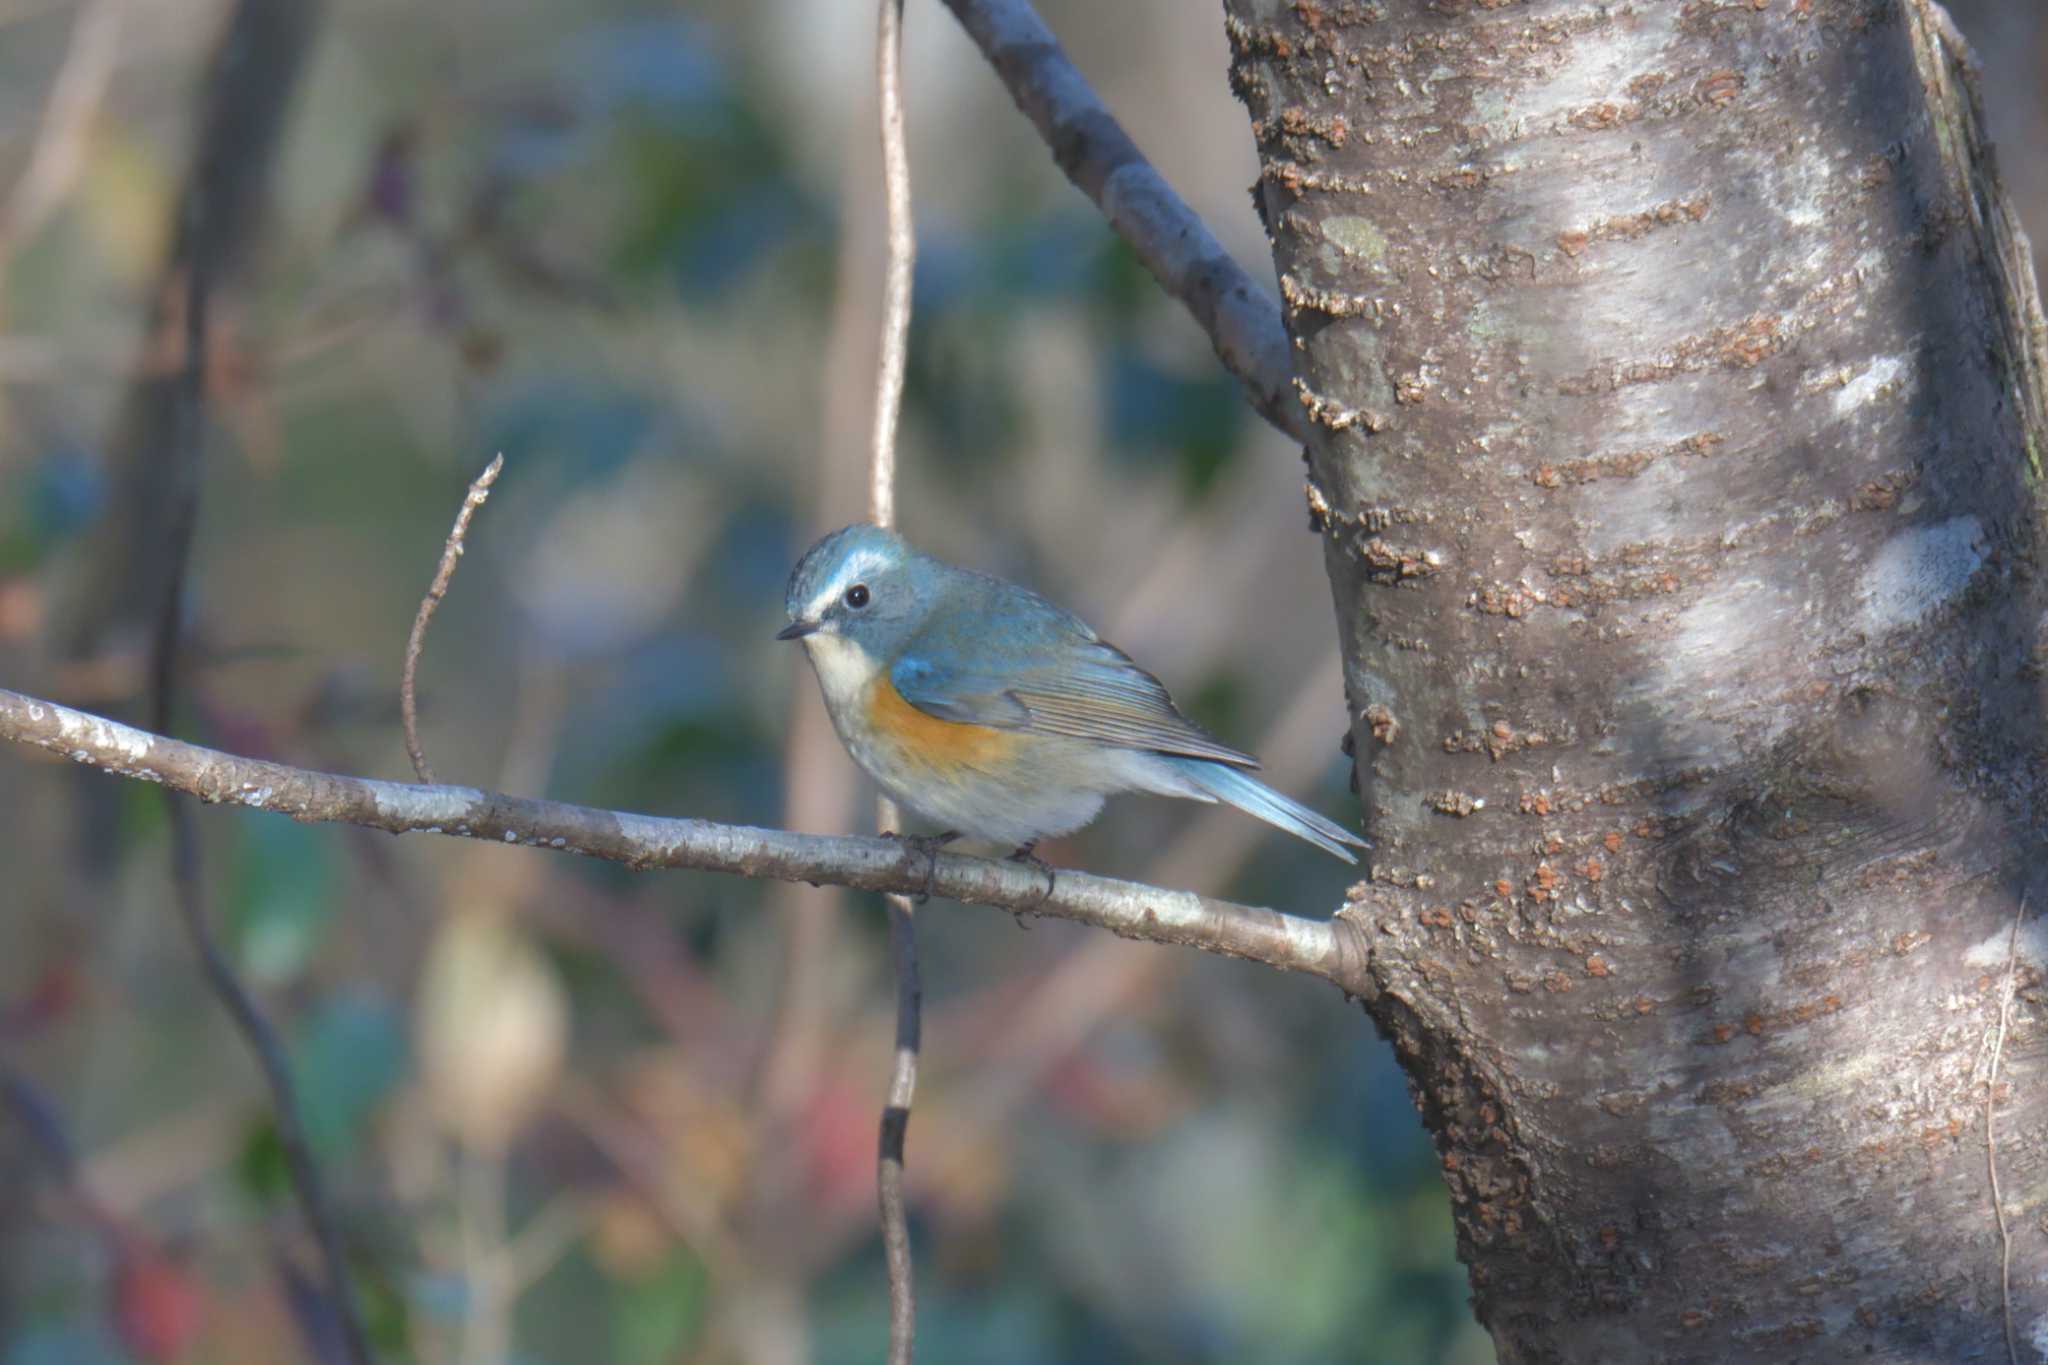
pixel 184 458
pixel 902 238
pixel 444 574
pixel 896 1126
pixel 890 361
pixel 1330 949
pixel 1241 317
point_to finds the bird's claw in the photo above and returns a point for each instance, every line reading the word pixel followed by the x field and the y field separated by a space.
pixel 929 845
pixel 1024 854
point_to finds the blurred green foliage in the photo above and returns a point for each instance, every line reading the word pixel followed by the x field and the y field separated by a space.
pixel 282 898
pixel 350 1056
pixel 656 1317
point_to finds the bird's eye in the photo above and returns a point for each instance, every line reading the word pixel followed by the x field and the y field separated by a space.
pixel 857 596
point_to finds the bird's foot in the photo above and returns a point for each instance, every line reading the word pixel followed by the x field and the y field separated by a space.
pixel 929 845
pixel 1024 854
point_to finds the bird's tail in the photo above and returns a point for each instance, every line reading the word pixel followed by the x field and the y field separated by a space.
pixel 1234 787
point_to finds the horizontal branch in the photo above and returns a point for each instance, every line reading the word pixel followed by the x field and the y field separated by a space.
pixel 1330 949
pixel 1241 318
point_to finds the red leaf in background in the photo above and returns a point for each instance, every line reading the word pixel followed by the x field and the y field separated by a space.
pixel 56 990
pixel 1117 1097
pixel 21 608
pixel 839 1145
pixel 157 1305
pixel 1078 1089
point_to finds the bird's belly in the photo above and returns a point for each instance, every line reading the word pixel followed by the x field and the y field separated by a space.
pixel 1005 786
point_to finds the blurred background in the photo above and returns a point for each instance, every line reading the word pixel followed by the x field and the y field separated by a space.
pixel 572 1114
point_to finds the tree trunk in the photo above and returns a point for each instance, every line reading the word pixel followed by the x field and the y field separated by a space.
pixel 1677 375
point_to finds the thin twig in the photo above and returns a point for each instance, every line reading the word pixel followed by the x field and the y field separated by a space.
pixel 895 1125
pixel 2005 994
pixel 819 785
pixel 1241 317
pixel 890 363
pixel 444 574
pixel 186 458
pixel 1332 949
pixel 306 1180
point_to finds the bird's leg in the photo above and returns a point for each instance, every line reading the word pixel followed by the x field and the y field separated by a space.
pixel 1024 854
pixel 929 845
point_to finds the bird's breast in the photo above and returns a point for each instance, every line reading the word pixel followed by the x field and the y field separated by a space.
pixel 946 747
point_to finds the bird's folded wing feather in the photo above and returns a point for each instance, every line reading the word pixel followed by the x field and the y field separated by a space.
pixel 1054 682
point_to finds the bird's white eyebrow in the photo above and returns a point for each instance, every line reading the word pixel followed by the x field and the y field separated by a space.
pixel 859 566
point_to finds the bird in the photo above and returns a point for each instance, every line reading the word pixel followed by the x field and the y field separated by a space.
pixel 984 709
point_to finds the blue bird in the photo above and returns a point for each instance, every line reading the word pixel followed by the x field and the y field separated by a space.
pixel 984 708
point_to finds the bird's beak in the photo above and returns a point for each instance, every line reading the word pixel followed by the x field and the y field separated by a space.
pixel 796 630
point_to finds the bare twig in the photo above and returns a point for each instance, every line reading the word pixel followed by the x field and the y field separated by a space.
pixel 444 574
pixel 140 538
pixel 307 1182
pixel 2005 994
pixel 185 460
pixel 895 1125
pixel 889 365
pixel 1242 318
pixel 1331 949
pixel 889 368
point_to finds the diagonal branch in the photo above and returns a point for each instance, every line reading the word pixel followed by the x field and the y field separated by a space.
pixel 1241 317
pixel 1332 949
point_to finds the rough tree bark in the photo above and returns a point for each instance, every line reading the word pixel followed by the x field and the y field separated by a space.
pixel 1677 376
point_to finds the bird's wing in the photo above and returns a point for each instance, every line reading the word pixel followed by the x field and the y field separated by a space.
pixel 1021 663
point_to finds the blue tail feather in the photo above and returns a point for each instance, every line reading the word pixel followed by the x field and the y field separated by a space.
pixel 1234 787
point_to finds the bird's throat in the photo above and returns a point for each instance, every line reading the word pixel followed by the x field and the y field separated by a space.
pixel 844 669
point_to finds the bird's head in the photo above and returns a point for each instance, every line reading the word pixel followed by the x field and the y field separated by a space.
pixel 861 588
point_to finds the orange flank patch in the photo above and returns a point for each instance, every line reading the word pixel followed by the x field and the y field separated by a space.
pixel 926 740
